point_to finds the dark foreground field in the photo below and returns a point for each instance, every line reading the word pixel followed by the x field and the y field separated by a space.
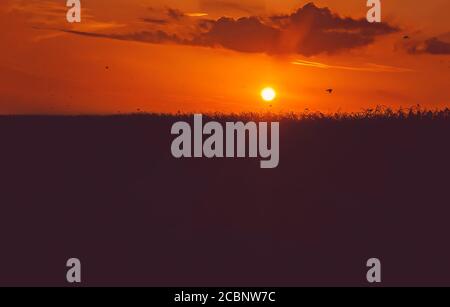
pixel 107 190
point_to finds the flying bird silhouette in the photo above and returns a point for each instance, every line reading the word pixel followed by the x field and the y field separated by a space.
pixel 329 91
pixel 406 37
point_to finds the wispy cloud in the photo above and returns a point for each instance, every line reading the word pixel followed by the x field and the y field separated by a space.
pixel 50 15
pixel 37 11
pixel 249 7
pixel 196 14
pixel 369 67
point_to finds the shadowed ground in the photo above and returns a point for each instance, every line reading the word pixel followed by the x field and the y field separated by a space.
pixel 107 190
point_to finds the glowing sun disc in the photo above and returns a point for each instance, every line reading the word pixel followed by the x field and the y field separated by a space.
pixel 268 94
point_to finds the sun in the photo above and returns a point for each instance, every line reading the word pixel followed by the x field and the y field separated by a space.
pixel 268 94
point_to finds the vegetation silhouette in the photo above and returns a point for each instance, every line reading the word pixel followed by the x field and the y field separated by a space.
pixel 349 187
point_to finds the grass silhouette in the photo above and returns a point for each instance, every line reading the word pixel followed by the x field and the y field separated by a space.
pixel 349 187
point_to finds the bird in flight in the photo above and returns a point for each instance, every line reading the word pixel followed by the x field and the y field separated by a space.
pixel 329 91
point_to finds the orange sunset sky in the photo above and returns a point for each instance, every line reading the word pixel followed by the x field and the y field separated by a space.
pixel 217 55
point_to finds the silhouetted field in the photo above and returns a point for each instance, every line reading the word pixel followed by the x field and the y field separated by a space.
pixel 108 191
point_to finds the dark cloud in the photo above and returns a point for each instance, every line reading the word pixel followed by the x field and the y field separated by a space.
pixel 168 16
pixel 245 35
pixel 153 37
pixel 175 14
pixel 308 31
pixel 155 21
pixel 433 46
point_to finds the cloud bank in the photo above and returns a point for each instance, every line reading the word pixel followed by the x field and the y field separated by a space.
pixel 308 31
